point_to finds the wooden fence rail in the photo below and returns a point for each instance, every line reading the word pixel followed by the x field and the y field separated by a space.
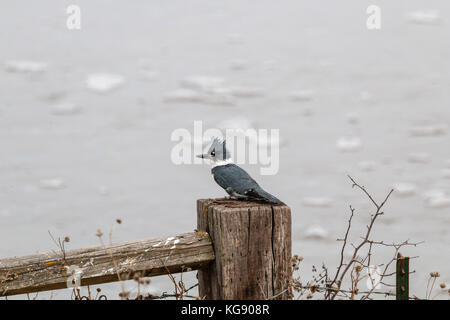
pixel 102 264
pixel 242 251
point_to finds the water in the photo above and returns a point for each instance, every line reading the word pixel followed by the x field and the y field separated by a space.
pixel 85 119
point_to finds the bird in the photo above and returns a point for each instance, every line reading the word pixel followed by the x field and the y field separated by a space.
pixel 232 178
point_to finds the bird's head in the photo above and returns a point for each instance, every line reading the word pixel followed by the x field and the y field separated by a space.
pixel 217 152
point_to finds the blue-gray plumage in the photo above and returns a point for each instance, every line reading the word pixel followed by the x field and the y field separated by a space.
pixel 235 180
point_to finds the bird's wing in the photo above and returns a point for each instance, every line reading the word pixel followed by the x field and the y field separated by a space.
pixel 232 176
pixel 260 194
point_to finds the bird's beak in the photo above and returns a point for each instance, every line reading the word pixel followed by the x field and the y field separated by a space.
pixel 202 156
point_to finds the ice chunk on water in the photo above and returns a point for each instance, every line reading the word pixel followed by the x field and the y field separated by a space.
pixel 53 183
pixel 316 201
pixel 65 109
pixel 427 131
pixel 367 165
pixel 302 95
pixel 25 66
pixel 348 144
pixel 104 82
pixel 203 82
pixel 429 17
pixel 439 202
pixel 437 199
pixel 419 157
pixel 435 193
pixel 209 90
pixel 247 92
pixel 183 95
pixel 219 96
pixel 316 232
pixel 404 189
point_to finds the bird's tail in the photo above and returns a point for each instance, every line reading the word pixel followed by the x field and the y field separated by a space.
pixel 260 194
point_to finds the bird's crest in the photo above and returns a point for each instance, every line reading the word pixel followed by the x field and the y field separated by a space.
pixel 218 149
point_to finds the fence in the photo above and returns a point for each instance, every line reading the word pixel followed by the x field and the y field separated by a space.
pixel 241 251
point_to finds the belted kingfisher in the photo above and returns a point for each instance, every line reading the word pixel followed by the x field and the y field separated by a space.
pixel 235 180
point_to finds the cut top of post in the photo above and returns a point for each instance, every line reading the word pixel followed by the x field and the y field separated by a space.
pixel 230 203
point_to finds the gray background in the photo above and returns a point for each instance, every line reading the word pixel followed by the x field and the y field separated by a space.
pixel 387 87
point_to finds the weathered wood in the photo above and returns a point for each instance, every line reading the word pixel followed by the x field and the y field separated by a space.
pixel 252 244
pixel 101 264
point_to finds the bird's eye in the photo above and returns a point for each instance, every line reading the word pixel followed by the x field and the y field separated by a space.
pixel 213 153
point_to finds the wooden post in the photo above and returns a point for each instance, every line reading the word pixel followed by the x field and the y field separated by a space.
pixel 402 278
pixel 252 245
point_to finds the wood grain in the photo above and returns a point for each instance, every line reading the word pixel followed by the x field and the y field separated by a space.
pixel 101 264
pixel 252 244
